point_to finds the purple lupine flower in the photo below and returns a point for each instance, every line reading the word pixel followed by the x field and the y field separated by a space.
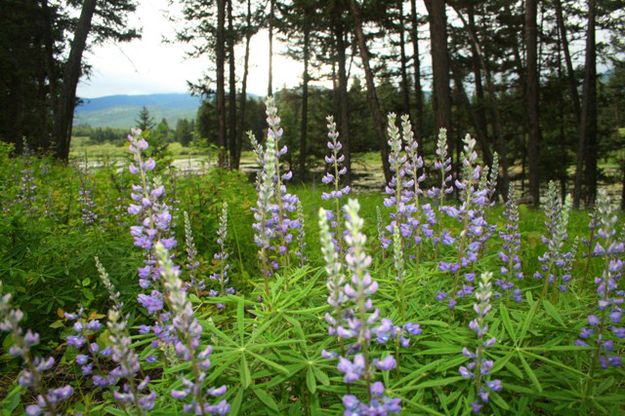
pixel 221 258
pixel 27 191
pixel 556 256
pixel 86 329
pixel 34 367
pixel 153 225
pixel 606 326
pixel 132 395
pixel 335 161
pixel 87 206
pixel 334 268
pixel 275 206
pixel 192 264
pixel 354 319
pixel 509 254
pixel 470 214
pixel 479 367
pixel 443 165
pixel 188 347
pixel 398 192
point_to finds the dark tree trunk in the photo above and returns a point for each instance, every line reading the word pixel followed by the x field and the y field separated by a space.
pixel 441 98
pixel 303 132
pixel 567 59
pixel 586 159
pixel 221 95
pixel 416 61
pixel 480 105
pixel 532 101
pixel 64 116
pixel 232 95
pixel 372 97
pixel 342 97
pixel 466 103
pixel 271 20
pixel 402 48
pixel 243 96
pixel 464 100
pixel 480 59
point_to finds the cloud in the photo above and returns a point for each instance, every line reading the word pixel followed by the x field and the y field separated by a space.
pixel 147 65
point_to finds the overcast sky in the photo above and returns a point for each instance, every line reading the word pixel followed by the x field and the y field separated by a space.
pixel 147 65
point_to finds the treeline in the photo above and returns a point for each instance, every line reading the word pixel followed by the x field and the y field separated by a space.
pixel 523 77
pixel 184 132
pixel 540 82
pixel 41 61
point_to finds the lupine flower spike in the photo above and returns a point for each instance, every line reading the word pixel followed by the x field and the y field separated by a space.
pixel 443 165
pixel 278 206
pixel 554 259
pixel 605 327
pixel 31 376
pixel 355 320
pixel 398 189
pixel 87 206
pixel 154 225
pixel 471 216
pixel 221 259
pixel 90 355
pixel 192 263
pixel 132 395
pixel 335 171
pixel 188 331
pixel 509 254
pixel 479 367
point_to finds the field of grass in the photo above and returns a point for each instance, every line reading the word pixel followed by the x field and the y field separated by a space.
pixel 268 339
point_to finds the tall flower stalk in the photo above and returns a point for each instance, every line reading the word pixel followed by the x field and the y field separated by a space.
pixel 443 165
pixel 470 215
pixel 479 367
pixel 192 264
pixel 221 258
pixel 188 349
pixel 556 256
pixel 275 207
pixel 153 225
pixel 605 326
pixel 355 320
pixel 31 376
pixel 509 254
pixel 333 175
pixel 132 394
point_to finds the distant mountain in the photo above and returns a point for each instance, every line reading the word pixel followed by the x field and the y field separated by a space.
pixel 120 111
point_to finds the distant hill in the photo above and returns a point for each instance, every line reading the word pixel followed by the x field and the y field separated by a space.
pixel 120 111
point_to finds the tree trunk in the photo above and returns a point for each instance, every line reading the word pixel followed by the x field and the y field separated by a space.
pixel 464 100
pixel 343 97
pixel 479 58
pixel 441 98
pixel 416 62
pixel 64 116
pixel 532 101
pixel 476 62
pixel 402 48
pixel 271 19
pixel 586 159
pixel 243 96
pixel 232 94
pixel 372 97
pixel 303 132
pixel 567 59
pixel 221 95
